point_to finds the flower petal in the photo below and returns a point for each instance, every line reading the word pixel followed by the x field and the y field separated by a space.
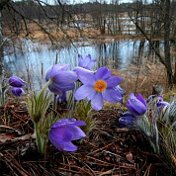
pixel 135 106
pixel 54 70
pixel 86 62
pixel 59 135
pixel 79 123
pixel 161 104
pixel 59 89
pixel 68 121
pixel 126 119
pixel 79 71
pixel 65 77
pixel 112 95
pixel 97 102
pixel 16 81
pixel 83 92
pixel 87 78
pixel 61 139
pixel 141 99
pixel 64 131
pixel 103 73
pixel 55 90
pixel 89 62
pixel 69 146
pixel 80 61
pixel 114 81
pixel 120 90
pixel 63 121
pixel 17 91
pixel 77 133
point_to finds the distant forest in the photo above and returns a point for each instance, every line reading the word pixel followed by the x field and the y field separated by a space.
pixel 108 18
pixel 36 10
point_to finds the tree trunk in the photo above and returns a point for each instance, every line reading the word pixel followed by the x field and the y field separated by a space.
pixel 167 30
pixel 1 45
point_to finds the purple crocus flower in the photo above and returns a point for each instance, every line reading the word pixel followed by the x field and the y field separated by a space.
pixel 16 81
pixel 126 119
pixel 86 62
pixel 17 91
pixel 98 87
pixel 64 131
pixel 136 104
pixel 61 79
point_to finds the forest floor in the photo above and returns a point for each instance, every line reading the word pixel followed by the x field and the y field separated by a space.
pixel 107 149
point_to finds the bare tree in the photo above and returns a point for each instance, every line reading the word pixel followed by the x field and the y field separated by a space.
pixel 16 16
pixel 162 20
pixel 3 3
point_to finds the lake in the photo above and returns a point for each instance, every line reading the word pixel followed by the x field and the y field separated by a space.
pixel 31 60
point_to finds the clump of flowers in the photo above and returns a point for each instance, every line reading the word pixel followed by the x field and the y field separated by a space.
pixel 17 85
pixel 95 87
pixel 146 115
pixel 59 80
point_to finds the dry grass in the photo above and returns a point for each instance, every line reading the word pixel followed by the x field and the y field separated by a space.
pixel 57 33
pixel 141 78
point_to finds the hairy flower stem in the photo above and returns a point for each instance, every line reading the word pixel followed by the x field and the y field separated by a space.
pixel 37 108
pixel 157 139
pixel 40 140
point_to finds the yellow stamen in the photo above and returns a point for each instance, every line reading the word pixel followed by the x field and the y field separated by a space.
pixel 100 86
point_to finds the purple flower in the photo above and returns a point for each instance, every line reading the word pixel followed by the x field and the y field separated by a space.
pixel 61 79
pixel 162 104
pixel 159 101
pixel 15 81
pixel 152 97
pixel 126 119
pixel 99 86
pixel 64 131
pixel 17 91
pixel 86 62
pixel 136 104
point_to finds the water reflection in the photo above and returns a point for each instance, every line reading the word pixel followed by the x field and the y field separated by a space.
pixel 33 59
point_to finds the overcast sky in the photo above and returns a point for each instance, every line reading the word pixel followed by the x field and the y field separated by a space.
pixel 78 1
pixel 81 1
